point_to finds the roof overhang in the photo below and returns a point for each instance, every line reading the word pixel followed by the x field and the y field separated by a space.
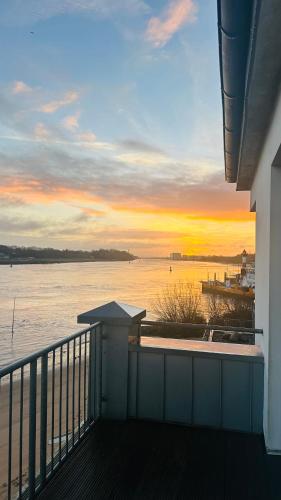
pixel 250 63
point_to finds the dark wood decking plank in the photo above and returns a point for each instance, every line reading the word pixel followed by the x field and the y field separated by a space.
pixel 161 475
pixel 85 465
pixel 203 477
pixel 121 468
pixel 144 461
pixel 245 467
pixel 273 463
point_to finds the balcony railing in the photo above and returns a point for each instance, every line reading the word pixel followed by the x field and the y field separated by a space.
pixel 49 400
pixel 205 331
pixel 196 382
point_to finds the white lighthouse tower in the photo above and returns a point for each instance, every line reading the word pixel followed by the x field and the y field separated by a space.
pixel 243 272
pixel 244 259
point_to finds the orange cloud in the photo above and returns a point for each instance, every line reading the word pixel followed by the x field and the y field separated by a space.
pixel 71 122
pixel 34 191
pixel 21 88
pixel 179 12
pixel 191 231
pixel 222 215
pixel 91 212
pixel 53 106
pixel 196 204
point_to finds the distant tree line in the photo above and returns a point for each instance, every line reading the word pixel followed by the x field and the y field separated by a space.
pixel 225 259
pixel 15 252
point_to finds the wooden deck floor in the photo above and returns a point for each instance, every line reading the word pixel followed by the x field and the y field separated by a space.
pixel 143 460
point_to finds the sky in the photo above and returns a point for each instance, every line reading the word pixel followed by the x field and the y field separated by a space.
pixel 111 129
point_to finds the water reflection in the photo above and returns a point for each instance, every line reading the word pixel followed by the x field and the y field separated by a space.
pixel 49 297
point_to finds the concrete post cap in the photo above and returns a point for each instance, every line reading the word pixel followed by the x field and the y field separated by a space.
pixel 113 312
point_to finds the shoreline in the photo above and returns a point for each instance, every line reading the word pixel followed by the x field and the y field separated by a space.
pixel 16 262
pixel 21 262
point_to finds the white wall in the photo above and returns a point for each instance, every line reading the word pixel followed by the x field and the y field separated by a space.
pixel 266 195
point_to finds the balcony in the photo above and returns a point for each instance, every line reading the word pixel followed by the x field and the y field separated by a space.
pixel 144 460
pixel 106 413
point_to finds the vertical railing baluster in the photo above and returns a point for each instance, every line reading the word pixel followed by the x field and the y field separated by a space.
pixel 73 394
pixel 95 374
pixel 85 377
pixel 60 404
pixel 32 427
pixel 21 429
pixel 91 377
pixel 79 389
pixel 10 435
pixel 100 370
pixel 43 416
pixel 67 399
pixel 53 407
pixel 251 380
pixel 137 386
pixel 221 392
pixel 164 389
pixel 192 391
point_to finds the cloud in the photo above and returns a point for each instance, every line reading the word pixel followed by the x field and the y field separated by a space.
pixel 36 190
pixel 41 132
pixel 91 212
pixel 18 224
pixel 137 234
pixel 21 88
pixel 142 159
pixel 52 176
pixel 163 214
pixel 191 213
pixel 19 119
pixel 88 140
pixel 87 137
pixel 161 29
pixel 9 202
pixel 136 145
pixel 71 122
pixel 53 106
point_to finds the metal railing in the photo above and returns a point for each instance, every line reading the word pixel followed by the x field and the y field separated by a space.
pixel 198 331
pixel 49 400
pixel 203 326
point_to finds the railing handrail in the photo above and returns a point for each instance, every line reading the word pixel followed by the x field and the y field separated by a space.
pixel 11 367
pixel 206 326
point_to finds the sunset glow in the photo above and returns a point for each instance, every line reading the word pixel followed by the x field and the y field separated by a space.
pixel 113 137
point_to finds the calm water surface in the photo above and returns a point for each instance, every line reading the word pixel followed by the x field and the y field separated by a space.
pixel 49 297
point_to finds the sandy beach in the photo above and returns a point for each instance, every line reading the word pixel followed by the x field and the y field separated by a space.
pixel 4 421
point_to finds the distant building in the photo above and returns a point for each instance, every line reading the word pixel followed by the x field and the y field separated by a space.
pixel 175 256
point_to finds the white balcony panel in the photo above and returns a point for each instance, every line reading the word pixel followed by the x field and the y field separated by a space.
pixel 206 391
pixel 215 386
pixel 178 389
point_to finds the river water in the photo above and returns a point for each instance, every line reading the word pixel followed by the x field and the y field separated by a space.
pixel 49 297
